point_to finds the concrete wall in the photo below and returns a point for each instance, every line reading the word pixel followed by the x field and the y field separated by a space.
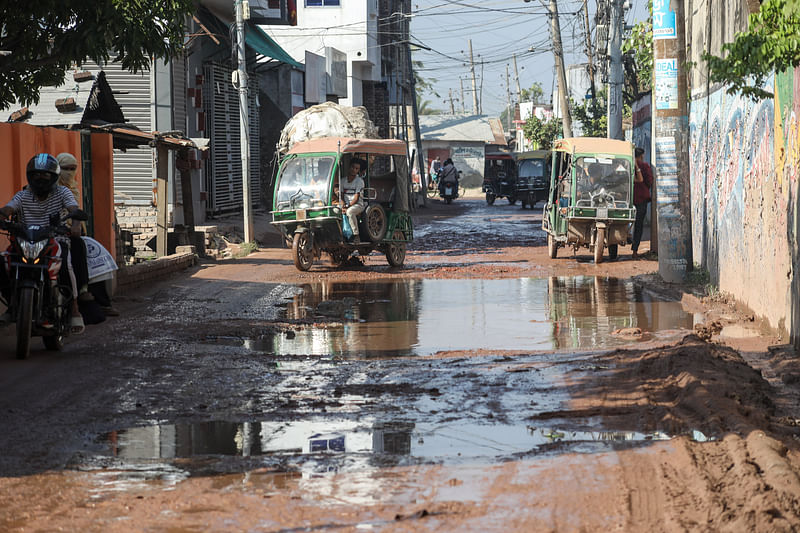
pixel 352 28
pixel 467 157
pixel 744 159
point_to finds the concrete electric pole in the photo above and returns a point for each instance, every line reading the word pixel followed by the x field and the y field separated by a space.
pixel 508 99
pixel 558 53
pixel 450 97
pixel 474 83
pixel 589 49
pixel 516 78
pixel 615 73
pixel 671 142
pixel 242 9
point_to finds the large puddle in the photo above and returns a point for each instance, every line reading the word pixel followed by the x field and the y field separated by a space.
pixel 446 443
pixel 422 317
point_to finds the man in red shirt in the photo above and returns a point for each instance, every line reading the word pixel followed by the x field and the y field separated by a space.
pixel 642 182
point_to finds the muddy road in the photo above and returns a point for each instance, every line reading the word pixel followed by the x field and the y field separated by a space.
pixel 482 387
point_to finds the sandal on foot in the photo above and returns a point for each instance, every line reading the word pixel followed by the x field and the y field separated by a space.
pixel 76 325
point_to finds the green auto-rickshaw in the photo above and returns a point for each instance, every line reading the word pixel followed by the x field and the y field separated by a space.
pixel 590 201
pixel 306 191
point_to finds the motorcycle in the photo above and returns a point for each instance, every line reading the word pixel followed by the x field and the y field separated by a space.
pixel 39 298
pixel 448 190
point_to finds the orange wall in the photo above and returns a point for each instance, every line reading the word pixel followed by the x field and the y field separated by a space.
pixel 20 142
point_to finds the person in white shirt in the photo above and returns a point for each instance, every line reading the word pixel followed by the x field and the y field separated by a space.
pixel 352 189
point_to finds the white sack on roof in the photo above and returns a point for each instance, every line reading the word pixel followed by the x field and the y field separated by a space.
pixel 327 120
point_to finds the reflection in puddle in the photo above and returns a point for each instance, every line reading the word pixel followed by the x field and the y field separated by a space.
pixel 418 441
pixel 422 317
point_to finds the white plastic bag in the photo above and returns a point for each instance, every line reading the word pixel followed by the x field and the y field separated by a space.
pixel 101 264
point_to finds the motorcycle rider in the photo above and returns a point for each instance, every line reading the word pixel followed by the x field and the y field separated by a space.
pixel 448 174
pixel 35 204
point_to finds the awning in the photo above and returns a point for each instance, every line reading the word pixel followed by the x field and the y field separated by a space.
pixel 262 43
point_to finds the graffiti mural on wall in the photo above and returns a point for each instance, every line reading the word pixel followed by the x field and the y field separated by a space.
pixel 743 163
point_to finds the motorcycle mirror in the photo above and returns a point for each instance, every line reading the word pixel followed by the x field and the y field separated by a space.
pixel 79 214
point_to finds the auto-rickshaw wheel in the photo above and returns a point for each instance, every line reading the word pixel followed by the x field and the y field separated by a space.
pixel 374 222
pixel 396 251
pixel 490 198
pixel 613 251
pixel 599 244
pixel 303 251
pixel 552 246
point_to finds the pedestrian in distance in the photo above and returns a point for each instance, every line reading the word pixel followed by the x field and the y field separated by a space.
pixel 436 166
pixel 642 181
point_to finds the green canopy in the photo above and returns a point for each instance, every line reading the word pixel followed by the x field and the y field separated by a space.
pixel 264 45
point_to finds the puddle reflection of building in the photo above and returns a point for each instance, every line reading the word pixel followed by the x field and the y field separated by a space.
pixel 585 310
pixel 367 318
pixel 170 441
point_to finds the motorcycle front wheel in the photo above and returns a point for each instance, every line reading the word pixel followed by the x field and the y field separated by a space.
pixel 24 322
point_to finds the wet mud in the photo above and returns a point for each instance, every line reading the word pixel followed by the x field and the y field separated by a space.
pixel 555 395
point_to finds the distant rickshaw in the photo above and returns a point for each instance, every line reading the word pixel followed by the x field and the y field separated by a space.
pixel 590 200
pixel 533 176
pixel 499 177
pixel 307 207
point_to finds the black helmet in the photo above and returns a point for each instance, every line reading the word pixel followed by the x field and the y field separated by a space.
pixel 43 163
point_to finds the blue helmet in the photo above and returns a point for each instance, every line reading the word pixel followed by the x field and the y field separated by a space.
pixel 42 163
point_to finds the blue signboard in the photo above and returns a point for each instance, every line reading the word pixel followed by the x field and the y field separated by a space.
pixel 664 25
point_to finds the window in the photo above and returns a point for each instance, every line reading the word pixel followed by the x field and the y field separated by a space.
pixel 321 3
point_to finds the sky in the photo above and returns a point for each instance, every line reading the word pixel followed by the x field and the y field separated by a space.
pixel 499 29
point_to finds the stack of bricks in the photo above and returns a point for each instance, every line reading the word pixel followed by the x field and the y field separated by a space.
pixel 141 222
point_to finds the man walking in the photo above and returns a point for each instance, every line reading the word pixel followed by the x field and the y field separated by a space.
pixel 642 182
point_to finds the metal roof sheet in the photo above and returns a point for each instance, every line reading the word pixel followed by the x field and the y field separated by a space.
pixel 91 95
pixel 476 128
pixel 350 145
pixel 594 145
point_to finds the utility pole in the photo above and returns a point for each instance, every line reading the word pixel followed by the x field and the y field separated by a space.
pixel 508 99
pixel 463 102
pixel 516 78
pixel 474 84
pixel 615 75
pixel 452 108
pixel 242 13
pixel 412 84
pixel 558 53
pixel 671 142
pixel 589 52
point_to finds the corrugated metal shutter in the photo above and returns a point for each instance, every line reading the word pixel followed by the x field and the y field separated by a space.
pixel 179 97
pixel 133 169
pixel 224 173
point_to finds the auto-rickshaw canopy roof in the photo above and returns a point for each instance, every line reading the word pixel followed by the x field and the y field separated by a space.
pixel 532 154
pixel 593 145
pixel 350 145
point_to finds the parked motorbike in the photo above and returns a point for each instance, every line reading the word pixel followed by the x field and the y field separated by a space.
pixel 40 296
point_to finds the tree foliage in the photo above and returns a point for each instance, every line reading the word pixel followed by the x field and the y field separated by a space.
pixel 534 94
pixel 770 44
pixel 638 58
pixel 45 38
pixel 542 133
pixel 592 115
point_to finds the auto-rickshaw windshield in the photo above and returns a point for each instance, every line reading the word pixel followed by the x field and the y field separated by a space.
pixel 602 181
pixel 531 168
pixel 304 182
